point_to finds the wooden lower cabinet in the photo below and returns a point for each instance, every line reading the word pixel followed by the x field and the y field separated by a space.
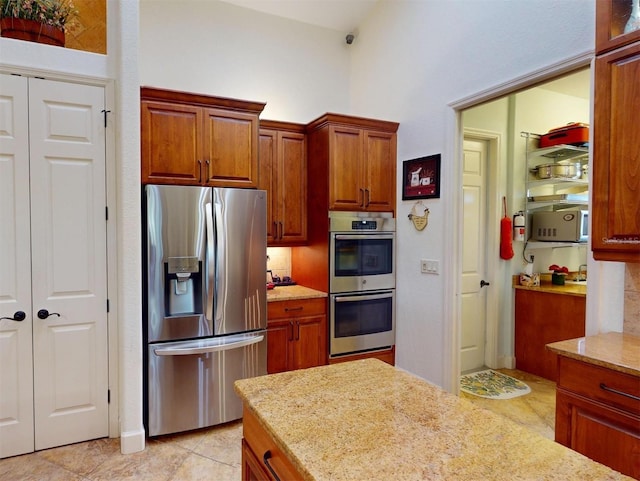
pixel 261 458
pixel 542 318
pixel 296 334
pixel 598 414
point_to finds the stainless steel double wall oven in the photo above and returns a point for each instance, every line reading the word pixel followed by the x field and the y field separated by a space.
pixel 362 282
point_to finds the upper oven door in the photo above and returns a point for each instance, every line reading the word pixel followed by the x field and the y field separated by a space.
pixel 361 262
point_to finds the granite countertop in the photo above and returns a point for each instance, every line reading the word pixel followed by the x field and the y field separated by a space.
pixel 288 293
pixel 570 289
pixel 368 420
pixel 614 350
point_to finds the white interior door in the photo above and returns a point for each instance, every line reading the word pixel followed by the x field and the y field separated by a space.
pixel 16 361
pixel 53 367
pixel 69 270
pixel 474 301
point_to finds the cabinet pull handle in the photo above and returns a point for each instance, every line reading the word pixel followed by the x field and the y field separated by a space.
pixel 291 330
pixel 266 457
pixel 208 164
pixel 280 230
pixel 297 330
pixel 289 309
pixel 362 197
pixel 604 387
pixel 368 197
pixel 199 171
pixel 275 230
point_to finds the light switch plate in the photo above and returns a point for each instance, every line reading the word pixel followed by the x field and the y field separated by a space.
pixel 429 266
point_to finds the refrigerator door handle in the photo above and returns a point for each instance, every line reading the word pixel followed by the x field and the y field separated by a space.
pixel 221 260
pixel 200 349
pixel 211 261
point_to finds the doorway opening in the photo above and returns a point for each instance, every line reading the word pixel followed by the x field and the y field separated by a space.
pixel 492 145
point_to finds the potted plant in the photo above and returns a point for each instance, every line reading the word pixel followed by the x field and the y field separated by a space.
pixel 43 21
pixel 558 275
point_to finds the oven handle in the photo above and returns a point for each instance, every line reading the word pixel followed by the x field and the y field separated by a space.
pixel 372 235
pixel 366 297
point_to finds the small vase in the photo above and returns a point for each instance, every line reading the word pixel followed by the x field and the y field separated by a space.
pixel 634 18
pixel 31 31
pixel 557 279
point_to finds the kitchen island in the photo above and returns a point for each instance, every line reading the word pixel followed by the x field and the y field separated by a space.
pixel 367 420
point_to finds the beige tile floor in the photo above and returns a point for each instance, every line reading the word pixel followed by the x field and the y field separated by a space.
pixel 215 453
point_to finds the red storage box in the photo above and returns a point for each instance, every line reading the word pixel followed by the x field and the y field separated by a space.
pixel 573 134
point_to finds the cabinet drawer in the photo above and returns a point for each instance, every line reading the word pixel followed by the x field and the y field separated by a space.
pixel 296 308
pixel 261 443
pixel 600 384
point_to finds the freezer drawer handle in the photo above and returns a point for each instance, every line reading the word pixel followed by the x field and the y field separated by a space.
pixel 187 351
pixel 604 387
pixel 267 456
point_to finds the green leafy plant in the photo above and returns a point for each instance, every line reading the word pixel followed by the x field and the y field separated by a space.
pixel 56 13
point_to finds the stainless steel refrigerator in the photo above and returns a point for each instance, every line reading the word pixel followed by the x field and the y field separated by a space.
pixel 205 303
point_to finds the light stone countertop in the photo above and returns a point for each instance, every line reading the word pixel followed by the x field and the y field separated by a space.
pixel 367 420
pixel 569 289
pixel 613 350
pixel 288 293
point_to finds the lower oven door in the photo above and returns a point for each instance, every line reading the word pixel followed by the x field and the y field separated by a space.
pixel 190 383
pixel 361 322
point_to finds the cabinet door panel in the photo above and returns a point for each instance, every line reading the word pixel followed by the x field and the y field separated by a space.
pixel 267 179
pixel 279 335
pixel 616 163
pixel 310 346
pixel 346 191
pixel 380 171
pixel 292 187
pixel 542 318
pixel 171 152
pixel 230 148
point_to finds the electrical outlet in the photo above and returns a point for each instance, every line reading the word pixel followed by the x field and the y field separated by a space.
pixel 429 266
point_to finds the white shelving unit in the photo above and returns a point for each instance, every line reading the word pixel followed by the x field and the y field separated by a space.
pixel 555 193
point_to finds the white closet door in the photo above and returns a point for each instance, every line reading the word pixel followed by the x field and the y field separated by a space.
pixel 69 275
pixel 16 368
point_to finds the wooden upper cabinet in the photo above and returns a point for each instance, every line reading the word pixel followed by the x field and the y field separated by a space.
pixel 283 174
pixel 612 16
pixel 355 160
pixel 616 156
pixel 196 139
pixel 171 146
pixel 379 170
pixel 346 187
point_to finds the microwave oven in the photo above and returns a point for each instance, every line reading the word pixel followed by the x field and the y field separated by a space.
pixel 560 226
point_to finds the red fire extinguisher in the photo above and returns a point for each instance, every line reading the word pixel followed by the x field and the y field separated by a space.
pixel 506 247
pixel 518 226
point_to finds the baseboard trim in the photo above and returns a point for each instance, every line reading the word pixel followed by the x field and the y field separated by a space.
pixel 507 362
pixel 132 442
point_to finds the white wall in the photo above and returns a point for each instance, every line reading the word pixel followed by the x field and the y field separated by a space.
pixel 410 61
pixel 216 48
